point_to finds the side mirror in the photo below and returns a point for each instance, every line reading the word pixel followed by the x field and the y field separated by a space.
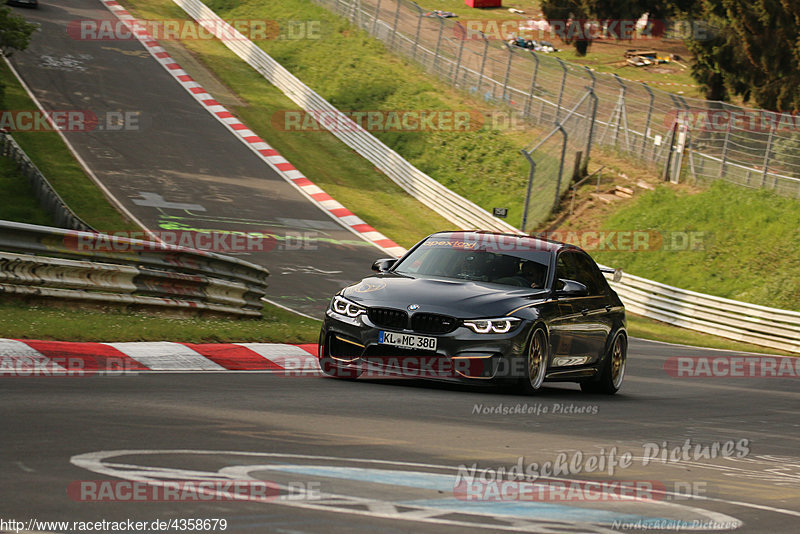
pixel 570 288
pixel 616 273
pixel 383 265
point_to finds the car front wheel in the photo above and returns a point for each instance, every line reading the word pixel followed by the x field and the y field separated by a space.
pixel 535 362
pixel 613 369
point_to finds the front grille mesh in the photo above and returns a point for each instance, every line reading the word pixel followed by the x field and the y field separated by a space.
pixel 388 318
pixel 433 323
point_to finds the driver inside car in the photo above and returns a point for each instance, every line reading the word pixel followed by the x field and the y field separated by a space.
pixel 530 274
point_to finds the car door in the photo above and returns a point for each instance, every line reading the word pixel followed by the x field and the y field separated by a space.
pixel 594 319
pixel 565 325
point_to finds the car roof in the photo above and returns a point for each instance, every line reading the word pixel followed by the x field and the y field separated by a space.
pixel 526 241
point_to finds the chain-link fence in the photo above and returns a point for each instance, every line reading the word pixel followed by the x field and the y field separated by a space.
pixel 557 158
pixel 704 140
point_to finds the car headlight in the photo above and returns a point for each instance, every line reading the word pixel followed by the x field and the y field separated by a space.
pixel 501 325
pixel 342 306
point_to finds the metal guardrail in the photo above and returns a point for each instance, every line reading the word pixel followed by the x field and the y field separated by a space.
pixel 85 266
pixel 449 205
pixel 739 321
pixel 50 201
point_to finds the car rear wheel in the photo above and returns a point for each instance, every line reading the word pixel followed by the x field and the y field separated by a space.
pixel 330 366
pixel 535 362
pixel 613 370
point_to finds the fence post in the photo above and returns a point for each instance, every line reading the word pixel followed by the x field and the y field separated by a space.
pixel 766 155
pixel 376 19
pixel 527 204
pixel 463 33
pixel 682 134
pixel 687 140
pixel 416 35
pixel 508 70
pixel 622 114
pixel 529 100
pixel 593 96
pixel 561 92
pixel 670 147
pixel 355 13
pixel 483 62
pixel 647 120
pixel 724 151
pixel 438 44
pixel 591 124
pixel 394 25
pixel 560 165
pixel 592 76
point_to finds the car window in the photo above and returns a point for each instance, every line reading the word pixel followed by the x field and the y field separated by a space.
pixel 589 274
pixel 565 266
pixel 442 258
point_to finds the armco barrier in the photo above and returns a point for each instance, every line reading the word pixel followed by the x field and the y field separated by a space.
pixel 84 266
pixel 739 321
pixel 449 205
pixel 50 201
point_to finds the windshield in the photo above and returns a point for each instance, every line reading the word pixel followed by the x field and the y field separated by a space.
pixel 444 258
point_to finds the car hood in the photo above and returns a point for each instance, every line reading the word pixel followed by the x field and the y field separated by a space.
pixel 457 298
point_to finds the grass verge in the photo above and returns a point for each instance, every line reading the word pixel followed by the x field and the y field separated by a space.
pixel 19 201
pixel 726 240
pixel 20 321
pixel 51 155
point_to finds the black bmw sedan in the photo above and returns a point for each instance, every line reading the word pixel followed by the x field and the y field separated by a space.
pixel 512 309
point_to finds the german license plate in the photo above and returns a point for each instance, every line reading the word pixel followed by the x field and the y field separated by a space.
pixel 407 341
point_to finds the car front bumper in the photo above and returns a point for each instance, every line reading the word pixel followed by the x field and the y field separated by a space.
pixel 462 353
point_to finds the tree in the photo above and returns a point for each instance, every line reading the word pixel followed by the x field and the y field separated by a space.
pixel 15 32
pixel 753 51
